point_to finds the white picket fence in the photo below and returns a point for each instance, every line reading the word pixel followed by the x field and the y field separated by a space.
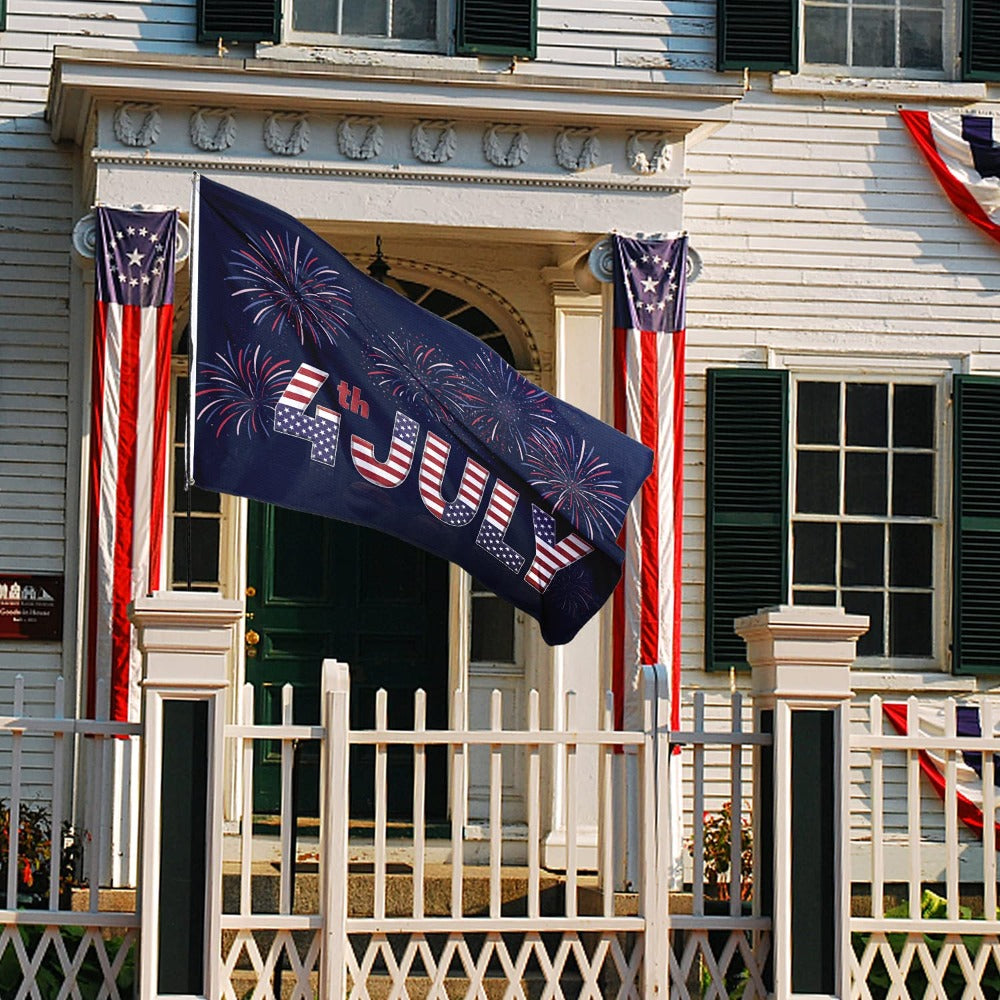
pixel 895 946
pixel 417 921
pixel 51 947
pixel 460 930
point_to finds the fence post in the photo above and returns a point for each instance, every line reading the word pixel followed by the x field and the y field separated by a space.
pixel 654 830
pixel 334 798
pixel 185 639
pixel 800 658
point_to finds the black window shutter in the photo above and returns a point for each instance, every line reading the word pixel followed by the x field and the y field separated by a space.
pixel 497 27
pixel 981 40
pixel 239 20
pixel 746 516
pixel 975 644
pixel 758 34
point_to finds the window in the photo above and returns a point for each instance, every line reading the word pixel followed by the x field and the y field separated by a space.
pixel 827 489
pixel 871 35
pixel 919 38
pixel 865 518
pixel 195 518
pixel 474 27
pixel 404 23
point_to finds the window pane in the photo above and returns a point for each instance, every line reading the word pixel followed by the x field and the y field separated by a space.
pixel 913 485
pixel 364 17
pixel 818 413
pixel 492 630
pixel 826 35
pixel 910 625
pixel 913 416
pixel 815 553
pixel 873 38
pixel 860 602
pixel 910 548
pixel 920 40
pixel 864 483
pixel 817 478
pixel 413 18
pixel 862 559
pixel 201 500
pixel 867 423
pixel 180 409
pixel 314 15
pixel 201 551
pixel 826 598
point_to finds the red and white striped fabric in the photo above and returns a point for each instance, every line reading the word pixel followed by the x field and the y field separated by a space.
pixel 130 385
pixel 964 156
pixel 649 293
pixel 462 509
pixel 394 470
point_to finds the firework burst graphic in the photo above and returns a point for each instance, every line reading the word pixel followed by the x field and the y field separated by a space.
pixel 578 483
pixel 239 393
pixel 571 591
pixel 504 407
pixel 415 373
pixel 287 287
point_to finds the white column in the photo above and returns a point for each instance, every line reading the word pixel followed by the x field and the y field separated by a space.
pixel 800 658
pixel 577 665
pixel 185 638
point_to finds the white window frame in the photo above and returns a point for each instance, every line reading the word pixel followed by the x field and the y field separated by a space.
pixel 926 370
pixel 228 506
pixel 440 44
pixel 950 44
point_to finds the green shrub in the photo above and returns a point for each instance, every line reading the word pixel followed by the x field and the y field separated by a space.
pixel 932 907
pixel 50 977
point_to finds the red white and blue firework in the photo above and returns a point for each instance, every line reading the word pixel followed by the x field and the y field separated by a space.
pixel 506 410
pixel 239 392
pixel 415 373
pixel 288 287
pixel 578 483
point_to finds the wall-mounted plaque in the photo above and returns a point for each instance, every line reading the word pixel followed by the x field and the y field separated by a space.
pixel 31 606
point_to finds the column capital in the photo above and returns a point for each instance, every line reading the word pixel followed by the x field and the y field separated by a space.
pixel 185 636
pixel 801 651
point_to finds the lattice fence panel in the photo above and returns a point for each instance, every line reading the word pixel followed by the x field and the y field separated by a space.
pixel 597 965
pixel 716 965
pixel 67 963
pixel 271 964
pixel 916 966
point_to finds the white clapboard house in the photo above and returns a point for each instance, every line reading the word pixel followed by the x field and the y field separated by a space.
pixel 842 386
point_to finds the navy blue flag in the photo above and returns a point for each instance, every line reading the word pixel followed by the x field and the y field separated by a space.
pixel 317 388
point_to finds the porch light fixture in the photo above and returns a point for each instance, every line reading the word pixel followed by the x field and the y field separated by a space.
pixel 379 270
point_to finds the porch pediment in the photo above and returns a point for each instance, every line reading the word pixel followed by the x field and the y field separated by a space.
pixel 294 123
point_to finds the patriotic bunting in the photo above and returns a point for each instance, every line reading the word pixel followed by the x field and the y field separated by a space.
pixel 133 326
pixel 649 292
pixel 963 151
pixel 968 763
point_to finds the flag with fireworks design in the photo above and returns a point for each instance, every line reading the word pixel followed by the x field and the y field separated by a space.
pixel 317 388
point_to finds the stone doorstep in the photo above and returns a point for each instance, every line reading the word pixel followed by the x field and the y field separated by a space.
pixel 379 987
pixel 265 887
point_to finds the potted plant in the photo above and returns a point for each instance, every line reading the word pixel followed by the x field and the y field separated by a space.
pixel 716 841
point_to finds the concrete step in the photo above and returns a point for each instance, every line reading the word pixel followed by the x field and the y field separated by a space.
pixel 379 987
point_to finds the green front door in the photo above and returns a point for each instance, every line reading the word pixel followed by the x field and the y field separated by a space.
pixel 316 589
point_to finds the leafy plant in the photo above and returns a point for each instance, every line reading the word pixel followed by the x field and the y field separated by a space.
pixel 716 841
pixel 34 854
pixel 932 907
pixel 50 977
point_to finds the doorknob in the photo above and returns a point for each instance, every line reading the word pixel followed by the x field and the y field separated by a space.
pixel 251 639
